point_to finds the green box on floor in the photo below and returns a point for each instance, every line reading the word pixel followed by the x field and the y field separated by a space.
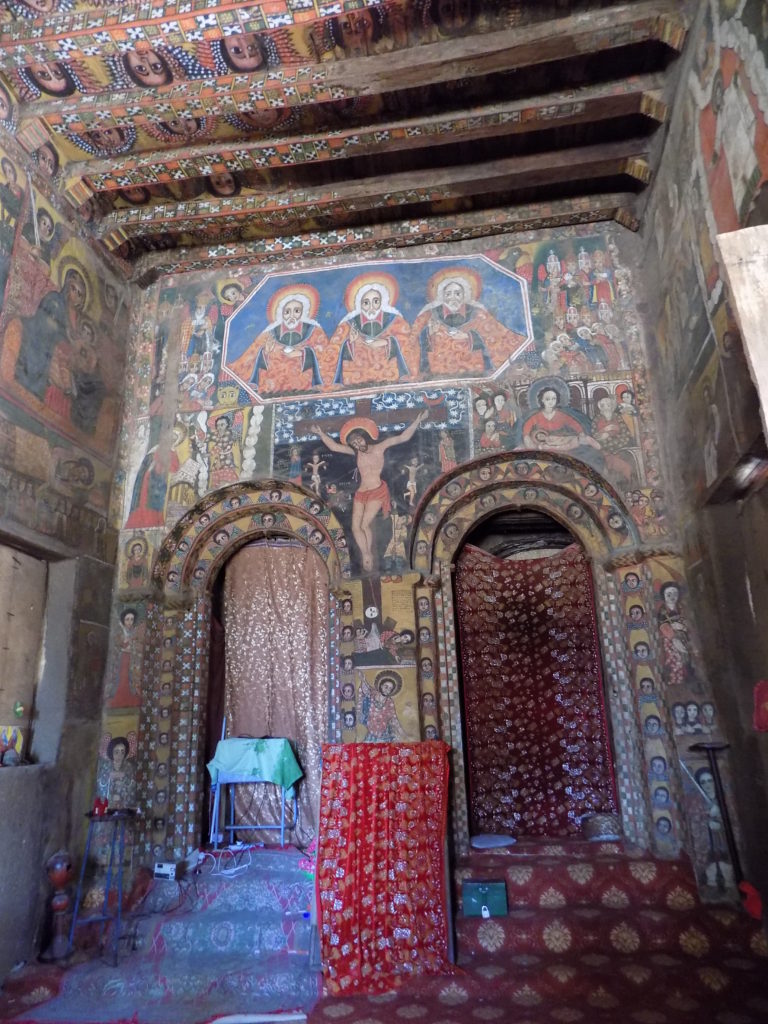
pixel 477 895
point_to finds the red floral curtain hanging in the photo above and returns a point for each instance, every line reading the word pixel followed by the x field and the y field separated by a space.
pixel 380 864
pixel 537 742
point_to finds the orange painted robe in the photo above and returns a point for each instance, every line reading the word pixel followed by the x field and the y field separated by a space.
pixel 281 361
pixel 470 341
pixel 374 351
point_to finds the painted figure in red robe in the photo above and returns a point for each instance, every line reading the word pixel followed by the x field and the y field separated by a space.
pixel 555 429
pixel 290 354
pixel 457 335
pixel 374 341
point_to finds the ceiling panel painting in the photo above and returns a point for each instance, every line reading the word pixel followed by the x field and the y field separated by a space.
pixel 180 125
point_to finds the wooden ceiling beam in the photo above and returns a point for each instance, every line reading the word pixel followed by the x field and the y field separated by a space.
pixel 591 104
pixel 524 47
pixel 406 188
pixel 377 239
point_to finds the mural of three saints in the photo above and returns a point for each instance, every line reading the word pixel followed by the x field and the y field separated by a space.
pixel 392 324
pixel 356 330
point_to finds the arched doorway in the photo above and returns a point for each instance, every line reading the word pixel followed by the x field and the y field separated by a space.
pixel 579 499
pixel 270 662
pixel 538 752
pixel 175 683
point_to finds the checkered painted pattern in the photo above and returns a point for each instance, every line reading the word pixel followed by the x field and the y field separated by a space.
pixel 450 704
pixel 334 681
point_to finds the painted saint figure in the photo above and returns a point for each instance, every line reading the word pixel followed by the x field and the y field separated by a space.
pixel 675 639
pixel 44 336
pixel 197 329
pixel 719 871
pixel 446 452
pixel 290 353
pixel 614 436
pixel 136 563
pixel 374 341
pixel 395 556
pixel 552 427
pixel 116 777
pixel 456 334
pixel 358 437
pixel 89 389
pixel 224 452
pixel 377 711
pixel 124 689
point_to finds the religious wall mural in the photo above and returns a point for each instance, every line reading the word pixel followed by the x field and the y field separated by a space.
pixel 355 389
pixel 394 323
pixel 379 652
pixel 370 460
pixel 336 380
pixel 61 355
pixel 62 324
pixel 359 390
pixel 716 185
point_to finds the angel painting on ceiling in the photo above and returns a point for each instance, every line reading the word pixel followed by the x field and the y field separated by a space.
pixel 38 8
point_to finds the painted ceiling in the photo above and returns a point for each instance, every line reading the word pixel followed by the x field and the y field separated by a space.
pixel 193 132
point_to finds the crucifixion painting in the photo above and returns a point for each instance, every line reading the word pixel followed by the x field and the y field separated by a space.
pixel 359 437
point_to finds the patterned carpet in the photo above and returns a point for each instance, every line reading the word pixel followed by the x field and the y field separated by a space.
pixel 595 933
pixel 221 943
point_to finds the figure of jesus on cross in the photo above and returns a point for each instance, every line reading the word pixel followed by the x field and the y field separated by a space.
pixel 358 437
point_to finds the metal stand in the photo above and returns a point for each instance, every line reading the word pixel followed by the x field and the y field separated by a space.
pixel 118 820
pixel 225 779
pixel 712 750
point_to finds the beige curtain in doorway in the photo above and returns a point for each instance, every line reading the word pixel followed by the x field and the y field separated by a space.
pixel 276 661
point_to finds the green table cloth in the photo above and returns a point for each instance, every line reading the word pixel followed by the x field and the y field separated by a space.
pixel 241 760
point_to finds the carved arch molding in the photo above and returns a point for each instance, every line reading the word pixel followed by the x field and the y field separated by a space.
pixel 171 768
pixel 580 499
pixel 175 675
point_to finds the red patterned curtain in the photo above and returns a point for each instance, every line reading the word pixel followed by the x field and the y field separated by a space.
pixel 538 750
pixel 380 864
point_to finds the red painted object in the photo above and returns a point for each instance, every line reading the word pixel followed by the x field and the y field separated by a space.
pixel 760 720
pixel 751 900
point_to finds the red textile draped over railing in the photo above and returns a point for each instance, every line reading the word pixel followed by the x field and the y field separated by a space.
pixel 533 696
pixel 381 864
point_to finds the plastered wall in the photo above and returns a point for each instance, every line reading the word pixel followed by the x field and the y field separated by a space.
pixel 713 180
pixel 62 316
